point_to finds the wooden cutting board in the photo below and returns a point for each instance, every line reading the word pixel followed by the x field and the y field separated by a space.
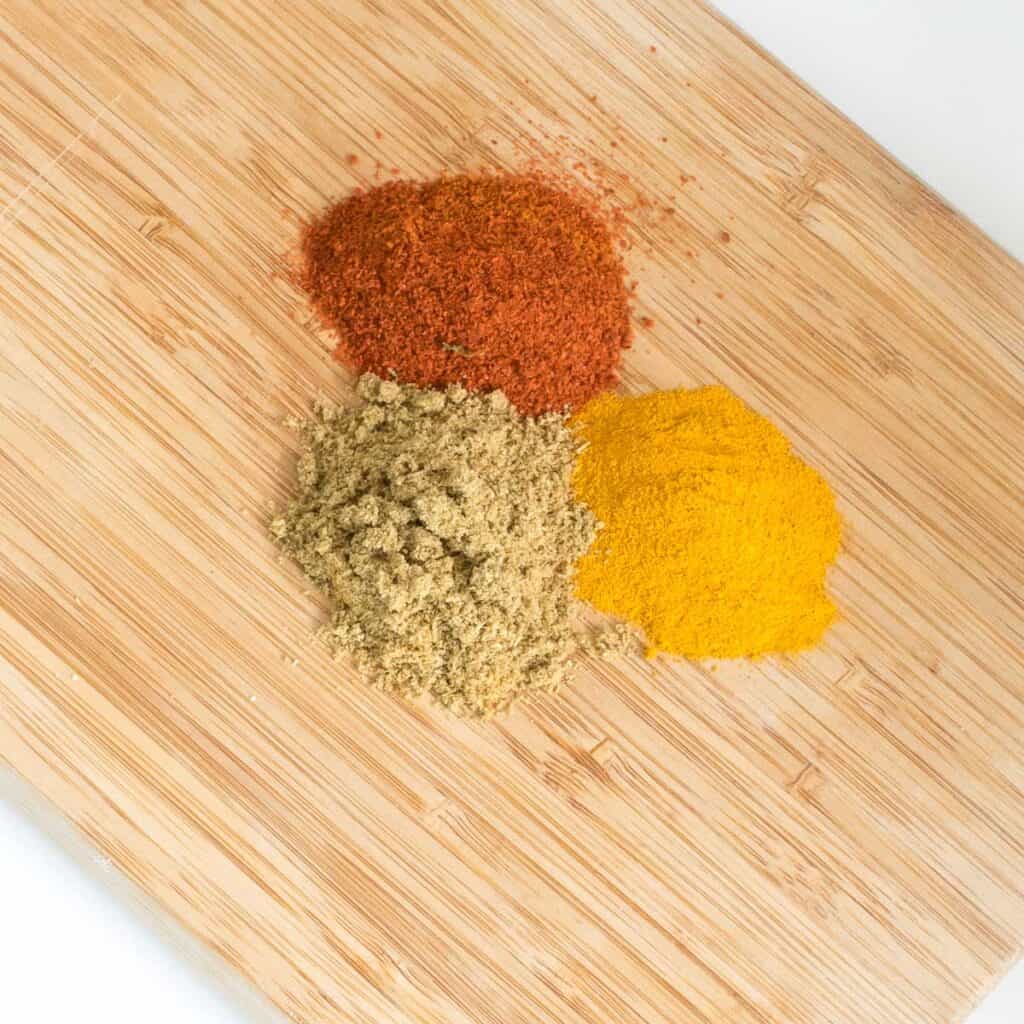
pixel 836 837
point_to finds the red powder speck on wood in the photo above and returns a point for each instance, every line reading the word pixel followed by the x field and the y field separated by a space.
pixel 725 236
pixel 352 159
pixel 654 49
pixel 646 322
pixel 496 281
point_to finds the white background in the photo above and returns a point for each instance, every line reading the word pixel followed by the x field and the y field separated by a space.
pixel 940 83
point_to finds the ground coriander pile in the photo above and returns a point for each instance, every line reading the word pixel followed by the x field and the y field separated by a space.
pixel 442 526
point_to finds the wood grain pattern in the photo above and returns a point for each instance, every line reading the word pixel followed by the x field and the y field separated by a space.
pixel 830 838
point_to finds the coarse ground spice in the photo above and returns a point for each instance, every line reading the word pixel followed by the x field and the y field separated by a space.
pixel 442 527
pixel 496 282
pixel 716 537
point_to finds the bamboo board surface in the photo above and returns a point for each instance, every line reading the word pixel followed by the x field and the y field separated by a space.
pixel 829 838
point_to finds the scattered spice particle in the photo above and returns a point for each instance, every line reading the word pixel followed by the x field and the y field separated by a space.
pixel 654 49
pixel 646 322
pixel 593 97
pixel 352 159
pixel 664 138
pixel 719 295
pixel 615 143
pixel 698 321
pixel 396 170
pixel 550 153
pixel 725 236
pixel 378 134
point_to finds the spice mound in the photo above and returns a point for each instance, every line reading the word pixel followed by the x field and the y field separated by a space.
pixel 716 538
pixel 443 529
pixel 496 282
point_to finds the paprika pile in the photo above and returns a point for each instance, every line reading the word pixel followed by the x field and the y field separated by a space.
pixel 497 282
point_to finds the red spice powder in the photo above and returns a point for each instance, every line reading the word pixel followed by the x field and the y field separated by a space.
pixel 495 282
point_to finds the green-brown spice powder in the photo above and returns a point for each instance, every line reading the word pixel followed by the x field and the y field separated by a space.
pixel 442 527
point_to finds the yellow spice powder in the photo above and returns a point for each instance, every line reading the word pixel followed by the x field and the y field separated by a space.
pixel 716 538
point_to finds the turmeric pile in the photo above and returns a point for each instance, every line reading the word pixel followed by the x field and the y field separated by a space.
pixel 716 538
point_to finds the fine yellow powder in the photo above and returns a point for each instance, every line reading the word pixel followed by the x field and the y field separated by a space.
pixel 716 538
